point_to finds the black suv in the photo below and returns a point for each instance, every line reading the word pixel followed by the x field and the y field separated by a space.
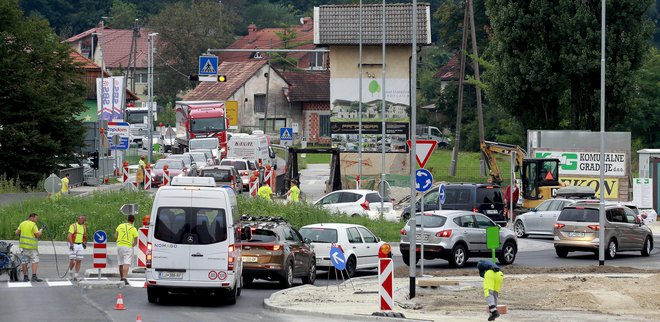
pixel 276 251
pixel 476 197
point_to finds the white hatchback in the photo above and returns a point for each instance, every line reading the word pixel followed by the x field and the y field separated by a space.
pixel 365 203
pixel 360 246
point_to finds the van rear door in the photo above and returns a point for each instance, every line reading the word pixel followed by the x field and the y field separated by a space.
pixel 208 237
pixel 170 252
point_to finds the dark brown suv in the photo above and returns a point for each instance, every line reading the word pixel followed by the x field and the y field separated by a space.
pixel 276 252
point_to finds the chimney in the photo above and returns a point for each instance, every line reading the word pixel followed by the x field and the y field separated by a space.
pixel 252 28
pixel 308 21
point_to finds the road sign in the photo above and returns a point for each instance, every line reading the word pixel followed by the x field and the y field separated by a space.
pixel 208 65
pixel 129 209
pixel 100 236
pixel 53 184
pixel 286 136
pixel 384 190
pixel 121 129
pixel 337 258
pixel 423 180
pixel 442 195
pixel 100 249
pixel 385 280
pixel 423 150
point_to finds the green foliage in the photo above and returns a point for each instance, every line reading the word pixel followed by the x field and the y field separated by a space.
pixel 122 14
pixel 167 116
pixel 645 118
pixel 448 19
pixel 281 60
pixel 266 14
pixel 41 92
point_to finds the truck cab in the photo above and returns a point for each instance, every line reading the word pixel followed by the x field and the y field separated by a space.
pixel 201 119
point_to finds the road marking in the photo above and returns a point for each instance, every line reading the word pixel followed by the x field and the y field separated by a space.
pixel 137 282
pixel 59 283
pixel 19 284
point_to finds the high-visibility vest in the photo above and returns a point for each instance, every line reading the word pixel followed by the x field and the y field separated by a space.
pixel 28 240
pixel 75 233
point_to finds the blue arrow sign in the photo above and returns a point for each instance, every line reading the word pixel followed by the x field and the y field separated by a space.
pixel 337 258
pixel 423 180
pixel 442 194
pixel 100 237
pixel 208 65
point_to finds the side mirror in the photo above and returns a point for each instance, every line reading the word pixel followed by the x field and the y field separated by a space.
pixel 307 240
pixel 246 233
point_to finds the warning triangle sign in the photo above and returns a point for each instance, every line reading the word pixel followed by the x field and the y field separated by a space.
pixel 208 68
pixel 549 177
pixel 423 150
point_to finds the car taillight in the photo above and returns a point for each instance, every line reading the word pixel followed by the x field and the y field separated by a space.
pixel 231 178
pixel 340 248
pixel 594 227
pixel 230 258
pixel 559 226
pixel 403 231
pixel 365 205
pixel 273 247
pixel 474 209
pixel 443 233
pixel 245 173
pixel 149 255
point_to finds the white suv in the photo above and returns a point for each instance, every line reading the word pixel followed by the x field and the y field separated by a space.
pixel 358 203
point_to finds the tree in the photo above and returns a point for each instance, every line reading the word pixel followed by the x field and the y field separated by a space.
pixel 41 92
pixel 546 57
pixel 448 20
pixel 645 120
pixel 122 14
pixel 187 30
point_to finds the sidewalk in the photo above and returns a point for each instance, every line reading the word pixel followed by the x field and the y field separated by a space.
pixel 561 297
pixel 82 191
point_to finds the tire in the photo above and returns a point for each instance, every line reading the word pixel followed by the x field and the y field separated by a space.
pixel 561 252
pixel 351 266
pixel 458 256
pixel 311 277
pixel 287 276
pixel 406 258
pixel 610 252
pixel 508 254
pixel 154 295
pixel 247 280
pixel 648 247
pixel 519 229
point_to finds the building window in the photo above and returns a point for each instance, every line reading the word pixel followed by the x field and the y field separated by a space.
pixel 324 125
pixel 259 103
pixel 273 125
pixel 140 78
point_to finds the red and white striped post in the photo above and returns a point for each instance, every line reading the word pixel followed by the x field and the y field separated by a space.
pixel 253 186
pixel 125 173
pixel 385 278
pixel 100 250
pixel 166 176
pixel 142 247
pixel 147 177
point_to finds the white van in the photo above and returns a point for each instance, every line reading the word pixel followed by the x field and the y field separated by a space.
pixel 252 147
pixel 194 242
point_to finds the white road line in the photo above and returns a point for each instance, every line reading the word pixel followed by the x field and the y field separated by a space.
pixel 59 283
pixel 137 282
pixel 19 284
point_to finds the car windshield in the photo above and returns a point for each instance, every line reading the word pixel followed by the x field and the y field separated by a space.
pixel 171 164
pixel 430 221
pixel 136 117
pixel 237 164
pixel 198 157
pixel 579 214
pixel 185 158
pixel 219 175
pixel 263 236
pixel 204 144
pixel 207 125
pixel 320 235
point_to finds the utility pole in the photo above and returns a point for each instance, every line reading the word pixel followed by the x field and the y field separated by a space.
pixel 413 133
pixel 359 177
pixel 267 92
pixel 383 124
pixel 475 66
pixel 150 103
pixel 100 147
pixel 459 110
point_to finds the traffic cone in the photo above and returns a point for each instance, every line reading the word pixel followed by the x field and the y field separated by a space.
pixel 145 284
pixel 120 303
pixel 139 318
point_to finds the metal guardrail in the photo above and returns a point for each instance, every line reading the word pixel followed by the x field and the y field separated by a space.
pixel 76 175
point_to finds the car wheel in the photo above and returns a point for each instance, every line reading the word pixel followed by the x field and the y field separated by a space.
pixel 519 228
pixel 153 295
pixel 508 254
pixel 287 278
pixel 232 295
pixel 406 258
pixel 458 256
pixel 648 247
pixel 611 249
pixel 561 252
pixel 311 277
pixel 247 280
pixel 351 265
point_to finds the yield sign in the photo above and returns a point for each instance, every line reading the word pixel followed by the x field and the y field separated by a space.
pixel 423 150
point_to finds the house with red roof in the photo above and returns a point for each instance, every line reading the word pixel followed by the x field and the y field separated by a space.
pixel 116 47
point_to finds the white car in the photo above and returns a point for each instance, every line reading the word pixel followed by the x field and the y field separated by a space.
pixel 540 220
pixel 358 203
pixel 244 168
pixel 360 246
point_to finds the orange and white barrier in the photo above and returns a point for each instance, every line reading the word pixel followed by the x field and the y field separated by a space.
pixel 166 176
pixel 147 177
pixel 253 186
pixel 385 280
pixel 142 247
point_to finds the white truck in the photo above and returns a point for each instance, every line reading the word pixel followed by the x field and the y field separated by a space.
pixel 252 147
pixel 433 133
pixel 137 118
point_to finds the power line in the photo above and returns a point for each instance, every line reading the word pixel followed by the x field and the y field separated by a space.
pixel 170 66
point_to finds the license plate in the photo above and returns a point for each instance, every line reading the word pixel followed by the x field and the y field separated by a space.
pixel 575 234
pixel 426 237
pixel 249 259
pixel 318 261
pixel 491 212
pixel 171 275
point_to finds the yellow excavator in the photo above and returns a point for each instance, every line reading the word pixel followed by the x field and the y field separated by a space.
pixel 540 177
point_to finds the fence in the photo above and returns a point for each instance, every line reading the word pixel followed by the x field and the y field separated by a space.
pixel 76 175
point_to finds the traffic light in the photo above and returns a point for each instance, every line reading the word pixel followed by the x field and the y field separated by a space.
pixel 194 78
pixel 95 160
pixel 222 78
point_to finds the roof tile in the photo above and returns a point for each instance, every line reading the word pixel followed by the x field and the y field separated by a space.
pixel 308 86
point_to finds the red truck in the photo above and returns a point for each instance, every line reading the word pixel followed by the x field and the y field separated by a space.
pixel 200 119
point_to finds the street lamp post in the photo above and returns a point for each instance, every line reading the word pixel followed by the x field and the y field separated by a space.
pixel 150 113
pixel 601 216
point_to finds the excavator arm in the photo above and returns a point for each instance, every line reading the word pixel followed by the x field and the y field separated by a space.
pixel 488 150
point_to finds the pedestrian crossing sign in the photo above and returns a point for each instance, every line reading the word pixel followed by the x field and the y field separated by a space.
pixel 286 136
pixel 208 65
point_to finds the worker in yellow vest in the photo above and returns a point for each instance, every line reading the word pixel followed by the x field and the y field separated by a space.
pixel 126 235
pixel 65 184
pixel 29 245
pixel 77 238
pixel 265 191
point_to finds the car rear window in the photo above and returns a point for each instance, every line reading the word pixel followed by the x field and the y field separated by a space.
pixel 263 236
pixel 320 235
pixel 238 165
pixel 190 225
pixel 458 196
pixel 579 215
pixel 374 197
pixel 218 175
pixel 430 221
pixel 489 195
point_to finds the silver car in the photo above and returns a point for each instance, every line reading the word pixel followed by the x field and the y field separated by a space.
pixel 540 220
pixel 455 235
